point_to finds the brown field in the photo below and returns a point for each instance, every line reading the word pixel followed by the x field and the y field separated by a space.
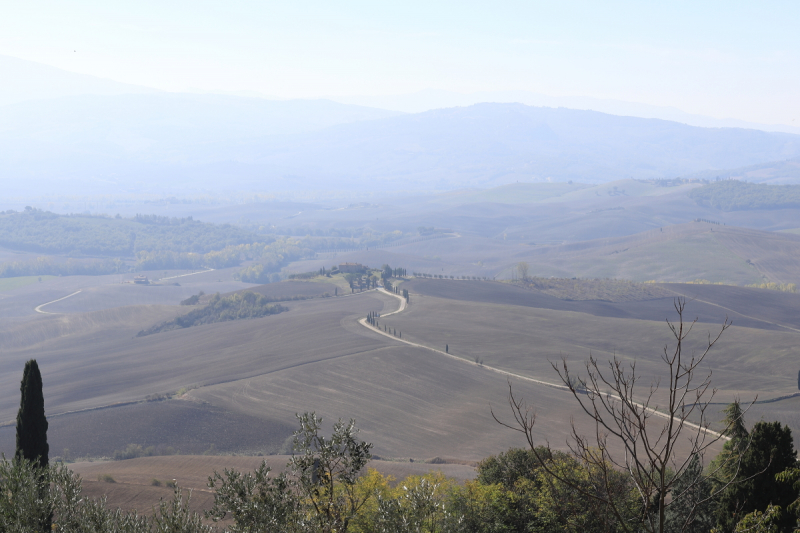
pixel 99 366
pixel 134 490
pixel 682 252
pixel 608 290
pixel 757 308
pixel 248 378
pixel 677 253
pixel 169 427
pixel 106 292
pixel 749 360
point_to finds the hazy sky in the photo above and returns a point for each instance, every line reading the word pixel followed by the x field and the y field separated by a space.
pixel 724 59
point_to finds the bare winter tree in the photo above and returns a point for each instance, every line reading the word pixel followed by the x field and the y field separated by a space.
pixel 637 435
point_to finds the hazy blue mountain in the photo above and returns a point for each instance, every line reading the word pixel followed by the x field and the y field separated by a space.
pixel 430 99
pixel 160 122
pixel 191 143
pixel 27 80
pixel 491 144
pixel 101 141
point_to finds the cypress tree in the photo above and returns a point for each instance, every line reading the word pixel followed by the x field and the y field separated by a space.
pixel 31 422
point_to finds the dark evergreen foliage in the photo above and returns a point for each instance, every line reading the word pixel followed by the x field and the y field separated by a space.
pixel 688 512
pixel 770 452
pixel 31 420
pixel 234 307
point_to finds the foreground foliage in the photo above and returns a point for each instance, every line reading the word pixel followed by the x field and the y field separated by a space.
pixel 325 488
pixel 33 496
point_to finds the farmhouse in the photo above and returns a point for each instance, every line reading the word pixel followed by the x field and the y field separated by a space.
pixel 351 268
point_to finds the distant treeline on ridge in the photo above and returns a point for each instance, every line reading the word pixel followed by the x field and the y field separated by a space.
pixel 734 195
pixel 42 231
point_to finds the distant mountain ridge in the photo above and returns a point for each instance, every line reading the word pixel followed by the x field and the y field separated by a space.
pixel 27 80
pixel 492 144
pixel 173 143
pixel 430 99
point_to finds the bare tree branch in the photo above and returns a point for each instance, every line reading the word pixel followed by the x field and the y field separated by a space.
pixel 632 432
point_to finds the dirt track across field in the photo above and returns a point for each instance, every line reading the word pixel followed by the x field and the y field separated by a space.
pixel 364 323
pixel 39 308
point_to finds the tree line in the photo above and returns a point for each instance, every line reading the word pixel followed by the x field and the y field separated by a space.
pixel 268 257
pixel 41 231
pixel 735 195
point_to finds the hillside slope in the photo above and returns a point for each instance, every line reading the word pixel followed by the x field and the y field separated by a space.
pixel 231 144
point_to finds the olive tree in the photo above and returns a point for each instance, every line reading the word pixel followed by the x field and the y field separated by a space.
pixel 319 493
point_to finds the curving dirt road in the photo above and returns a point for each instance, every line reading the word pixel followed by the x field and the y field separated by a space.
pixel 39 308
pixel 363 322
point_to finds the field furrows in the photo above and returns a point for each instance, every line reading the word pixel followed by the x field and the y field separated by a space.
pixel 96 367
pixel 408 400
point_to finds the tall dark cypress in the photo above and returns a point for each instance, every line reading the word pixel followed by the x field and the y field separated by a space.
pixel 31 422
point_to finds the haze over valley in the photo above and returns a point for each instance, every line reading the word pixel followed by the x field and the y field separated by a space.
pixel 202 246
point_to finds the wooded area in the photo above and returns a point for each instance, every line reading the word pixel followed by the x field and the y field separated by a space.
pixel 734 195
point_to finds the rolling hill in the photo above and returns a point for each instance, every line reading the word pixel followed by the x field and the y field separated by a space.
pixel 674 253
pixel 209 143
pixel 248 378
